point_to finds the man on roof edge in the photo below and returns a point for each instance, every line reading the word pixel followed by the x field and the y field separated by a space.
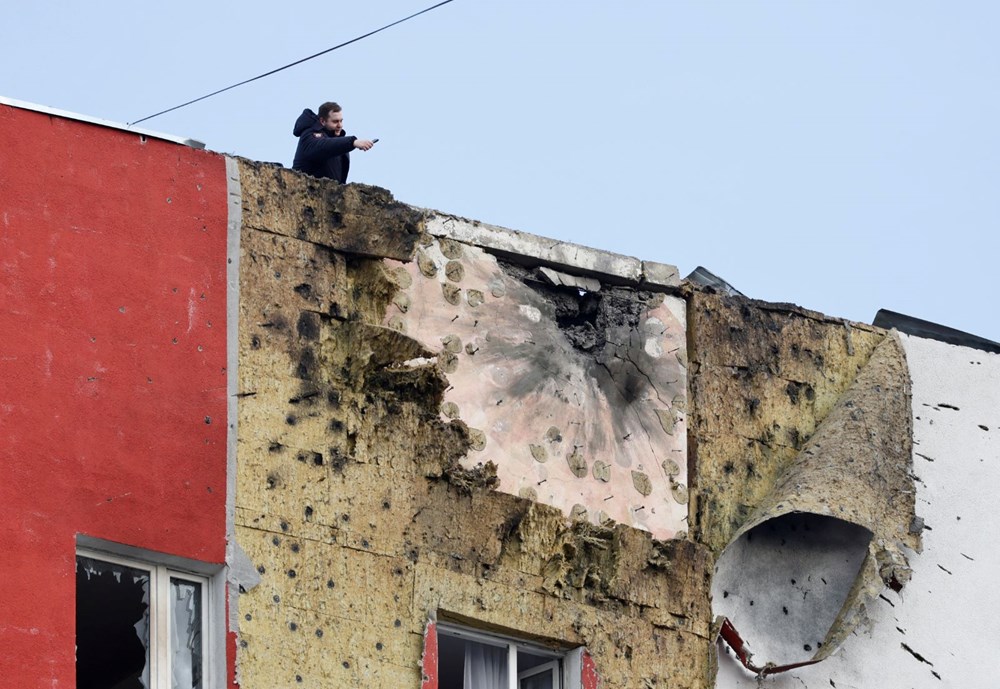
pixel 324 147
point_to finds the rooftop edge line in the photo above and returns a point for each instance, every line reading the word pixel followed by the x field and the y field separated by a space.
pixel 55 112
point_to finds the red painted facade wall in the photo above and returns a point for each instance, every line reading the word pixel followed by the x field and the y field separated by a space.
pixel 112 366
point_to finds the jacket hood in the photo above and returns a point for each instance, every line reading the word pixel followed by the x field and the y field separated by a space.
pixel 306 121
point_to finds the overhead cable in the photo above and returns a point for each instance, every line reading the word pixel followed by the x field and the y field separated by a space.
pixel 292 64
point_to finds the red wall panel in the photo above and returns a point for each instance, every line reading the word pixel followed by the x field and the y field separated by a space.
pixel 112 366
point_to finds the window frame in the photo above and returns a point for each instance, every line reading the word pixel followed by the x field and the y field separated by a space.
pixel 567 660
pixel 553 667
pixel 161 570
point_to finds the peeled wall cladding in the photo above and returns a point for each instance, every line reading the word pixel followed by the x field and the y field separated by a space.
pixel 355 498
pixel 935 632
pixel 804 483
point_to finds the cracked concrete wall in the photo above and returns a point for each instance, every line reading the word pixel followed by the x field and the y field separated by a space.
pixel 366 510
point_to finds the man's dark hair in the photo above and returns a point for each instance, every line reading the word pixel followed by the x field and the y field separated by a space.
pixel 327 108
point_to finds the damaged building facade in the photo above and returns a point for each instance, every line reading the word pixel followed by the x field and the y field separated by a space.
pixel 263 430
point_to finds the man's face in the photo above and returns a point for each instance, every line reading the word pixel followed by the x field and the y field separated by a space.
pixel 333 123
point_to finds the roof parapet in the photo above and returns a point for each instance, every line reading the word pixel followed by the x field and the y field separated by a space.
pixel 533 250
pixel 55 112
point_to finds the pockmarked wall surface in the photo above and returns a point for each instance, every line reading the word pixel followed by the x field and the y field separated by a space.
pixel 362 498
pixel 576 392
pixel 112 366
pixel 436 428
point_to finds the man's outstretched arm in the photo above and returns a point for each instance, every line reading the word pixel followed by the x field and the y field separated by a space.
pixel 317 147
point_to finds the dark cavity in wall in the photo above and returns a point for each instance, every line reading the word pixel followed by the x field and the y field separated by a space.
pixel 112 627
pixel 585 317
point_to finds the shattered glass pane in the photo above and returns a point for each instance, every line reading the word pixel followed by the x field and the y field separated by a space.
pixel 185 635
pixel 112 625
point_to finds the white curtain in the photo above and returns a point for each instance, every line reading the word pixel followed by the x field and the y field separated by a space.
pixel 485 666
pixel 142 626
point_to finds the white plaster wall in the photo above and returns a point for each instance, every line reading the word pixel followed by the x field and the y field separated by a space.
pixel 949 613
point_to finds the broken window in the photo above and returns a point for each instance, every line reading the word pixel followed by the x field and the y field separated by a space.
pixel 138 625
pixel 474 660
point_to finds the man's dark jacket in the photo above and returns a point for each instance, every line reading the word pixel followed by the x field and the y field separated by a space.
pixel 320 153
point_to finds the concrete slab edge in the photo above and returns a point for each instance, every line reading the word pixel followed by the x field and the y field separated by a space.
pixel 534 250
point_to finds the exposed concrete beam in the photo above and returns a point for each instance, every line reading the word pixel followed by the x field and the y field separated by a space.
pixel 533 250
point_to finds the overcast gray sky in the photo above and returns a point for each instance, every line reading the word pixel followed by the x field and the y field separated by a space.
pixel 842 155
